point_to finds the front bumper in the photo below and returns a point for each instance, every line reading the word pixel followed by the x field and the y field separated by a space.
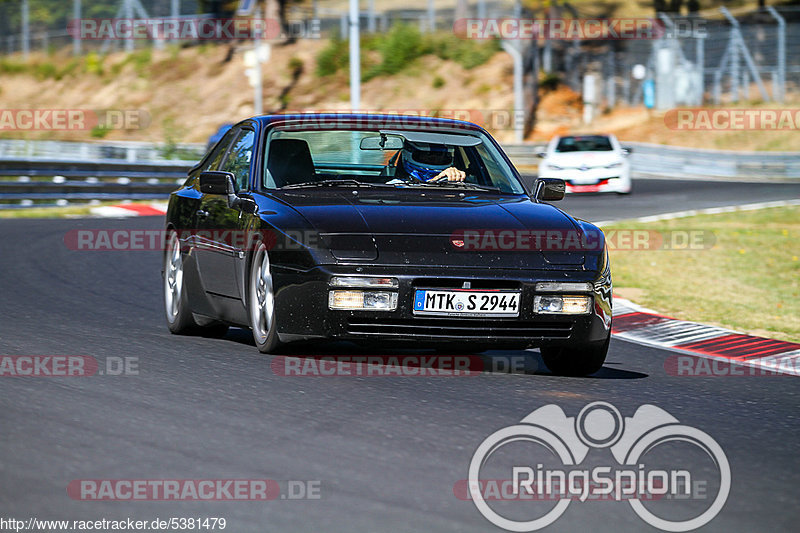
pixel 303 313
pixel 592 180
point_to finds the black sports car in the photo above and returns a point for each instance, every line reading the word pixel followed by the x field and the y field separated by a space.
pixel 383 228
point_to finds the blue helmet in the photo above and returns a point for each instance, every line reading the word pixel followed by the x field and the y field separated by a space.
pixel 425 161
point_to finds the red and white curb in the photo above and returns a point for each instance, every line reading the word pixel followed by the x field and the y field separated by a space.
pixel 643 326
pixel 130 210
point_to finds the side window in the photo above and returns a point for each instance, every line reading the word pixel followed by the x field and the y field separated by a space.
pixel 239 157
pixel 219 150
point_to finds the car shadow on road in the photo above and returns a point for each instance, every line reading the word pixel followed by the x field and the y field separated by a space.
pixel 408 359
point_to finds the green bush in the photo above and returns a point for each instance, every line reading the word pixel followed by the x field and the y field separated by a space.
pixel 466 52
pixel 400 47
pixel 549 81
pixel 44 71
pixel 68 69
pixel 100 131
pixel 12 67
pixel 141 59
pixel 94 64
pixel 295 64
pixel 333 57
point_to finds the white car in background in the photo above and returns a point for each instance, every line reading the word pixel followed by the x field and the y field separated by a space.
pixel 588 163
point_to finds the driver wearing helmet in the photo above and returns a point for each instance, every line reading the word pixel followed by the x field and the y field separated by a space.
pixel 428 162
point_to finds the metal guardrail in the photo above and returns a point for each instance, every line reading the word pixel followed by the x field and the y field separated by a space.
pixel 98 151
pixel 76 171
pixel 656 160
pixel 50 172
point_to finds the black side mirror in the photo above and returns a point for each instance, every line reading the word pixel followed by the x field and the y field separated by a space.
pixel 215 182
pixel 246 204
pixel 549 189
pixel 627 150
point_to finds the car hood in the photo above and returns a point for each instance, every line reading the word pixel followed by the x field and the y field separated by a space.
pixel 413 227
pixel 578 159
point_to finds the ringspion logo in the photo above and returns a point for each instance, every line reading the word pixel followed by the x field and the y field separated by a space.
pixel 544 455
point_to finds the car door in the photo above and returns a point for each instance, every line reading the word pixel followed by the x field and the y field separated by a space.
pixel 218 238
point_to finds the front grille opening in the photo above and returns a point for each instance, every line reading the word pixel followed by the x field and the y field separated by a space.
pixel 458 283
pixel 459 328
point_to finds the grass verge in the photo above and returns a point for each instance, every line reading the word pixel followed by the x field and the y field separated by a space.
pixel 749 280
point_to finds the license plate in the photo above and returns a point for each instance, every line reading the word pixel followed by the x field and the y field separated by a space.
pixel 466 303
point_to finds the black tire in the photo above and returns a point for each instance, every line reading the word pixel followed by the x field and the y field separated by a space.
pixel 576 361
pixel 176 307
pixel 261 302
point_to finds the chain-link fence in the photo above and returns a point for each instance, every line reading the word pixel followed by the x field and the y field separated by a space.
pixel 697 60
pixel 48 21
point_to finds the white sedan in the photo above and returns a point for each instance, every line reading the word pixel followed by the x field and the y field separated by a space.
pixel 588 163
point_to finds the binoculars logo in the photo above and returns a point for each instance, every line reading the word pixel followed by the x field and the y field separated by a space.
pixel 568 440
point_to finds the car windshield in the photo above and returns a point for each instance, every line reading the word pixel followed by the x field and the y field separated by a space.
pixel 589 143
pixel 386 158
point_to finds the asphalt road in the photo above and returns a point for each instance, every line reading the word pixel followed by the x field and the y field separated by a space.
pixel 386 451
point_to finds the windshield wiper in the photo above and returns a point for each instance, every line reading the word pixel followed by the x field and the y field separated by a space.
pixel 463 185
pixel 328 183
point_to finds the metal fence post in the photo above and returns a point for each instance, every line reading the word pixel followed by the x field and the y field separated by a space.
pixel 779 90
pixel 482 9
pixel 26 30
pixel 739 46
pixel 699 58
pixel 76 18
pixel 519 96
pixel 371 16
pixel 355 57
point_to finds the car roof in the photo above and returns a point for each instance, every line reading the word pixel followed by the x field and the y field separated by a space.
pixel 368 121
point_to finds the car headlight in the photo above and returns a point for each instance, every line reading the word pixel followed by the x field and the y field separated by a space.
pixel 615 165
pixel 355 300
pixel 551 166
pixel 558 304
pixel 364 281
